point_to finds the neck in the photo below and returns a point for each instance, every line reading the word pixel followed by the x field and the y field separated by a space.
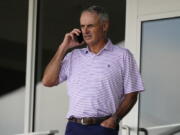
pixel 97 47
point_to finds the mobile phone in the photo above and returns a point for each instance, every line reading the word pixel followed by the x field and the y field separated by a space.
pixel 79 38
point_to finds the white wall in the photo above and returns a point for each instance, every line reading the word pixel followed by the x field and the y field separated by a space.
pixel 12 112
pixel 51 108
pixel 148 7
pixel 137 10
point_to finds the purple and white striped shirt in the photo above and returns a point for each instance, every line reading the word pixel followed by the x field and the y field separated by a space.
pixel 97 82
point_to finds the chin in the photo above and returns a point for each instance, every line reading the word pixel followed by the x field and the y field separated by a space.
pixel 90 42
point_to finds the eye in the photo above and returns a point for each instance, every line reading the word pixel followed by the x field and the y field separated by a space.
pixel 90 25
pixel 82 26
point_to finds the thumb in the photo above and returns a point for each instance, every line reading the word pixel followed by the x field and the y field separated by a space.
pixel 102 123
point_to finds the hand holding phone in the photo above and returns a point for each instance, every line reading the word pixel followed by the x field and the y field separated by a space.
pixel 79 38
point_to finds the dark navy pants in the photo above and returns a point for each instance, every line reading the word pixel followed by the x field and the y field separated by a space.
pixel 73 128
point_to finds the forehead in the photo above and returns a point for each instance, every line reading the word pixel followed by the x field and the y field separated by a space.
pixel 89 18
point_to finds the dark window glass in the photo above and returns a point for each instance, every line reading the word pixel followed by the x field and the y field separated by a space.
pixel 13 33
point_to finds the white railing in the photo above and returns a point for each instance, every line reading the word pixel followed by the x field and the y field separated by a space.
pixel 49 132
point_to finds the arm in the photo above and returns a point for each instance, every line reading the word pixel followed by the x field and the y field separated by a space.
pixel 126 105
pixel 51 73
pixel 132 79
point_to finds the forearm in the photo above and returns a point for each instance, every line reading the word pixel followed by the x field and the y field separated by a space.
pixel 51 74
pixel 126 105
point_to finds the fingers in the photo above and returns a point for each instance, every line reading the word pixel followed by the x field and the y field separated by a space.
pixel 74 32
pixel 70 39
pixel 108 123
pixel 102 124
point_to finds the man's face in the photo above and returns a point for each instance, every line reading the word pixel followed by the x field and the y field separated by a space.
pixel 92 28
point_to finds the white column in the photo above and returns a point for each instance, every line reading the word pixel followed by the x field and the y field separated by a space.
pixel 30 66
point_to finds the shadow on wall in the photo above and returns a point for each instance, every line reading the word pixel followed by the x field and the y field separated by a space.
pixel 12 66
pixel 10 80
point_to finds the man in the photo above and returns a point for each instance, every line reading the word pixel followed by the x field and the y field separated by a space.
pixel 103 79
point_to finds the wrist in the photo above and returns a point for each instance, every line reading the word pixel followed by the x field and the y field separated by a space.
pixel 63 48
pixel 116 118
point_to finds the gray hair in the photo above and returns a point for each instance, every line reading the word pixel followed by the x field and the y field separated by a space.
pixel 99 11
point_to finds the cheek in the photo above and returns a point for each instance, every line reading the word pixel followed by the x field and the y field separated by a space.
pixel 99 34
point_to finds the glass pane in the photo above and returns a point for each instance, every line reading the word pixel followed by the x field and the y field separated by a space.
pixel 13 32
pixel 56 19
pixel 160 70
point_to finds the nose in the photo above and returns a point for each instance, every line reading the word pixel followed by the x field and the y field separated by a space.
pixel 85 30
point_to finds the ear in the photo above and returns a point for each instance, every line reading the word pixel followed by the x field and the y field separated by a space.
pixel 105 26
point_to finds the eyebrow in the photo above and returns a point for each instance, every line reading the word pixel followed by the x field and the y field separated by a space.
pixel 89 25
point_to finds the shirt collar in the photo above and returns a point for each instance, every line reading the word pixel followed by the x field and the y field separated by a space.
pixel 107 47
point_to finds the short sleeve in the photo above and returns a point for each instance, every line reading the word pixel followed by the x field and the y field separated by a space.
pixel 132 78
pixel 65 68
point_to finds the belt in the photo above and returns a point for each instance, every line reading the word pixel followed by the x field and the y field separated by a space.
pixel 88 120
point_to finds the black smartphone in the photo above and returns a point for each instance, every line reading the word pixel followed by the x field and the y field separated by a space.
pixel 79 38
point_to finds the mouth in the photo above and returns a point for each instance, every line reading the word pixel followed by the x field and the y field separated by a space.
pixel 87 37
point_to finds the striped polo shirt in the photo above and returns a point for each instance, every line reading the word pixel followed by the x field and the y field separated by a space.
pixel 98 82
